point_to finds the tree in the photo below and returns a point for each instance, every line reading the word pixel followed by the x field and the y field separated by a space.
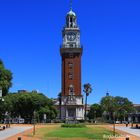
pixel 42 111
pixel 49 111
pixel 87 90
pixel 123 107
pixel 5 79
pixel 108 105
pixel 1 110
pixel 95 111
pixel 119 106
pixel 25 104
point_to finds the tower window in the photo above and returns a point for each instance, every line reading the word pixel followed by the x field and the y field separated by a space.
pixel 71 90
pixel 71 22
pixel 70 65
pixel 71 55
pixel 70 76
pixel 70 19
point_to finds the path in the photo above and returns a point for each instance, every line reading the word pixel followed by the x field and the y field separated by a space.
pixel 129 130
pixel 13 131
pixel 123 131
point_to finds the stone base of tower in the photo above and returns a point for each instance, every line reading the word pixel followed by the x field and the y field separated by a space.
pixel 72 108
pixel 72 113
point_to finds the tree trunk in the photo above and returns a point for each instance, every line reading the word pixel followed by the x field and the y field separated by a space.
pixel 86 108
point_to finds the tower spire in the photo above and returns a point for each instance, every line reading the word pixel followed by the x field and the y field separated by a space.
pixel 70 4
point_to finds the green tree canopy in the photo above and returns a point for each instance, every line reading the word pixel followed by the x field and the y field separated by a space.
pixel 108 105
pixel 5 79
pixel 24 105
pixel 95 111
pixel 123 107
pixel 119 106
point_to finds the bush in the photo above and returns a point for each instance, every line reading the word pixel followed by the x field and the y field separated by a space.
pixel 58 121
pixel 82 121
pixel 73 125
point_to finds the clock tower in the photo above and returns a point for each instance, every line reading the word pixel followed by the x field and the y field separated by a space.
pixel 71 107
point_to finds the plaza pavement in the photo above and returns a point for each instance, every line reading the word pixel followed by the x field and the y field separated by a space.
pixel 13 130
pixel 129 130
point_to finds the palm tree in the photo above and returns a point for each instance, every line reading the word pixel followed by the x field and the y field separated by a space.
pixel 87 90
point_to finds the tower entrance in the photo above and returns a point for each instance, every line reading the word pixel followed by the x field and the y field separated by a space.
pixel 72 113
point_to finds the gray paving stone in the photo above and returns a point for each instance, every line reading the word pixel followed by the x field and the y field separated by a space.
pixel 13 131
pixel 129 130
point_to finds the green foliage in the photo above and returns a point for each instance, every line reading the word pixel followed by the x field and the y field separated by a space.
pixel 87 89
pixel 73 125
pixel 123 104
pixel 95 111
pixel 117 106
pixel 108 105
pixel 122 107
pixel 50 112
pixel 1 109
pixel 24 105
pixel 5 79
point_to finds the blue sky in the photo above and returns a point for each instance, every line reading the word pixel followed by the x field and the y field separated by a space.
pixel 30 38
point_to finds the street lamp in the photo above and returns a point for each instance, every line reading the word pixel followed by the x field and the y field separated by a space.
pixel 95 116
pixel 114 129
pixel 9 120
pixel 34 113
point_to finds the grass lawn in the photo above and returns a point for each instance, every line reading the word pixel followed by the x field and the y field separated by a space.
pixel 89 132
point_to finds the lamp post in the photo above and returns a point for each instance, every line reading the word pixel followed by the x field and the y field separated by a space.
pixel 114 129
pixel 34 113
pixel 95 116
pixel 9 120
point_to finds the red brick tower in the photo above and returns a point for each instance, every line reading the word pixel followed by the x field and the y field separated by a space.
pixel 71 70
pixel 71 52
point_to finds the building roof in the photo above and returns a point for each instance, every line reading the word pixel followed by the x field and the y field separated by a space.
pixel 71 13
pixel 136 105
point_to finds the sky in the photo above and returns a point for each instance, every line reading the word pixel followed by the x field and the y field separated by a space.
pixel 31 35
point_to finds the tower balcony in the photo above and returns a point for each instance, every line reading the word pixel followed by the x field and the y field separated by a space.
pixel 66 49
pixel 65 29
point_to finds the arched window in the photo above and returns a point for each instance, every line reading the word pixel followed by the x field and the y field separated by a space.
pixel 71 22
pixel 71 90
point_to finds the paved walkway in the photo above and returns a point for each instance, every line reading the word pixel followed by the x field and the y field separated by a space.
pixel 13 131
pixel 129 130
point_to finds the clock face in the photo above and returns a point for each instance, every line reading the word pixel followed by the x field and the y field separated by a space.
pixel 71 36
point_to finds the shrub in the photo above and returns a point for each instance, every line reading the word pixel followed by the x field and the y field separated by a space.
pixel 73 125
pixel 58 121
